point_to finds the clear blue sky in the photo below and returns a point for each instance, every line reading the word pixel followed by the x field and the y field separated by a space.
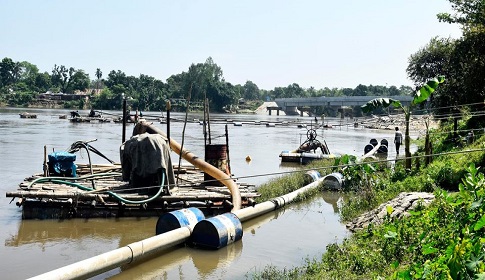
pixel 319 43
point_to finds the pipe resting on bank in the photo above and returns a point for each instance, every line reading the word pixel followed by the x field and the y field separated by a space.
pixel 142 127
pixel 248 213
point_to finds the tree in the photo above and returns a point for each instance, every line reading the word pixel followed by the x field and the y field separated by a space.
pixel 250 91
pixel 461 60
pixel 469 13
pixel 7 75
pixel 99 74
pixel 421 95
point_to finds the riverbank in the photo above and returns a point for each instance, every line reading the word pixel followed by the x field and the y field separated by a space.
pixel 439 238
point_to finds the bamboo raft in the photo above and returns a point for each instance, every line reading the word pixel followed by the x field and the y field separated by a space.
pixel 51 200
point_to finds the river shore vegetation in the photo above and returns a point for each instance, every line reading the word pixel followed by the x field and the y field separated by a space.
pixel 444 240
pixel 22 84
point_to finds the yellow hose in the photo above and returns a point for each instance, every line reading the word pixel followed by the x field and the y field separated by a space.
pixel 142 127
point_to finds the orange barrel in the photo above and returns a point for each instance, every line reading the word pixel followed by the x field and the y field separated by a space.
pixel 217 232
pixel 216 155
pixel 179 218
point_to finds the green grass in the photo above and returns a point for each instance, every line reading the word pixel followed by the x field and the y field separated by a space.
pixel 443 241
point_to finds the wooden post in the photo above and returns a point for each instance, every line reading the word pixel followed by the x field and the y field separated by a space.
pixel 168 106
pixel 123 133
pixel 46 169
pixel 228 158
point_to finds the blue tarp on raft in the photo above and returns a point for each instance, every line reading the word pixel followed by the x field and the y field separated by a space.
pixel 62 163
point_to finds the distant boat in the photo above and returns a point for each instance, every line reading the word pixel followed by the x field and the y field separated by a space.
pixel 26 115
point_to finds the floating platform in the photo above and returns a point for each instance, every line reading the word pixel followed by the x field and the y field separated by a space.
pixel 28 116
pixel 90 119
pixel 303 157
pixel 54 200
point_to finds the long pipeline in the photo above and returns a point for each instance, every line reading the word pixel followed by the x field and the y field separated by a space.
pixel 98 264
pixel 136 251
pixel 222 177
pixel 259 209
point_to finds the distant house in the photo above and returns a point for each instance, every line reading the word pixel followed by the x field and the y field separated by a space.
pixel 62 96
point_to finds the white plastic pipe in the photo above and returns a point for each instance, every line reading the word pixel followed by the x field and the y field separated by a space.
pixel 134 251
pixel 213 171
pixel 270 205
pixel 112 259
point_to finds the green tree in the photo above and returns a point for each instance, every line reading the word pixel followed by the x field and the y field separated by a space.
pixel 7 72
pixel 461 60
pixel 469 14
pixel 250 91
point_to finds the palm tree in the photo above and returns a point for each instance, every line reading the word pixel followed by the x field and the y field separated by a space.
pixel 99 74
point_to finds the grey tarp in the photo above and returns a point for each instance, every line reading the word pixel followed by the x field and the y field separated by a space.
pixel 144 156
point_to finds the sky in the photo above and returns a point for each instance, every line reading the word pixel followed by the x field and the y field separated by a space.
pixel 314 43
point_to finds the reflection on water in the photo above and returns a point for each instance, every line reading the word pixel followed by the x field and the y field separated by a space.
pixel 283 238
pixel 41 232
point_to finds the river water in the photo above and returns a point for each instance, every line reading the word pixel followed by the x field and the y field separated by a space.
pixel 283 238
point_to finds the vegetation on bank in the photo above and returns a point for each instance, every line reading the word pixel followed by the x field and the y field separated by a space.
pixel 446 239
pixel 404 248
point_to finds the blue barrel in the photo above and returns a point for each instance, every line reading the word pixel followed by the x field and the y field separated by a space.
pixel 217 232
pixel 62 164
pixel 312 176
pixel 179 218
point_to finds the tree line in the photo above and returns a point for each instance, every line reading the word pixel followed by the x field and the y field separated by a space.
pixel 22 82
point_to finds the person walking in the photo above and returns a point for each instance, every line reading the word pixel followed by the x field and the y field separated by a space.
pixel 398 139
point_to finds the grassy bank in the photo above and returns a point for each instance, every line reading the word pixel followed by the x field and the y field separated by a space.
pixel 442 241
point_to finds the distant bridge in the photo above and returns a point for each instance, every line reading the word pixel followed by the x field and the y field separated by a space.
pixel 290 105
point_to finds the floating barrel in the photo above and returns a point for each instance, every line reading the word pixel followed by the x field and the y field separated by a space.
pixel 217 232
pixel 382 149
pixel 334 181
pixel 368 148
pixel 312 176
pixel 384 142
pixel 374 142
pixel 179 218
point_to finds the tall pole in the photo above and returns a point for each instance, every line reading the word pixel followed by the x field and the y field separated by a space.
pixel 123 133
pixel 227 151
pixel 169 107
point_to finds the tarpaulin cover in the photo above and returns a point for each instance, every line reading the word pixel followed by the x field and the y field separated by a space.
pixel 62 163
pixel 144 157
